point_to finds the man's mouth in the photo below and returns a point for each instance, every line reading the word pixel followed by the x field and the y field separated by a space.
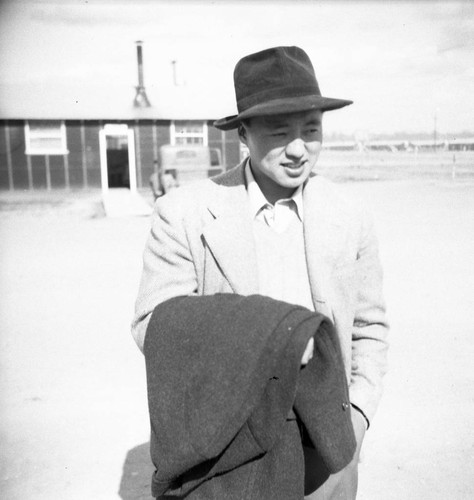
pixel 293 167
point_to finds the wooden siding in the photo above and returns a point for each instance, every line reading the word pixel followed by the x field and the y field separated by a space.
pixel 80 168
pixel 227 142
pixel 150 135
pixel 57 171
pixel 38 170
pixel 16 150
pixel 83 160
pixel 145 157
pixel 77 172
pixel 92 150
pixel 5 158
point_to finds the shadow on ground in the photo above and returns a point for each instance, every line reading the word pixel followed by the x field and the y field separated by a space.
pixel 136 475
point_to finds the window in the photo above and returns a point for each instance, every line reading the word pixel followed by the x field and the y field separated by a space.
pixel 188 132
pixel 45 137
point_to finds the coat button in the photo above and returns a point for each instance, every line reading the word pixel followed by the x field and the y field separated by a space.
pixel 345 406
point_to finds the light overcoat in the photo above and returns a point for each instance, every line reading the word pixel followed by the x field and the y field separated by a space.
pixel 201 242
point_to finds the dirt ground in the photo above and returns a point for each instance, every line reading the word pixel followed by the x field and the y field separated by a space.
pixel 74 421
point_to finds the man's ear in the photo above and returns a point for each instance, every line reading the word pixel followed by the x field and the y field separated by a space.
pixel 242 134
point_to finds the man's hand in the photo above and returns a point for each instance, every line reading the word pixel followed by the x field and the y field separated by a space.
pixel 308 352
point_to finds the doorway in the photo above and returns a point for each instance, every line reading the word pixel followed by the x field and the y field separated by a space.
pixel 117 165
pixel 117 157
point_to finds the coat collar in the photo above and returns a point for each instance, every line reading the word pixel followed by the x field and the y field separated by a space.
pixel 230 234
pixel 257 199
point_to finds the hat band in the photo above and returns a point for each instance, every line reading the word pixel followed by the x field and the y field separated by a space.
pixel 277 93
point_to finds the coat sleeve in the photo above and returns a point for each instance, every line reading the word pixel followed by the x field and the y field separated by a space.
pixel 168 269
pixel 370 328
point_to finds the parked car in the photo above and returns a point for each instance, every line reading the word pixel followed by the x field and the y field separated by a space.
pixel 182 164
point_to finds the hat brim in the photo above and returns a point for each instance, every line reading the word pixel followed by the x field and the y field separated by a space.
pixel 282 106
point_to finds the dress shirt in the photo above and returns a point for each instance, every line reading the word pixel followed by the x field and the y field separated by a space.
pixel 278 216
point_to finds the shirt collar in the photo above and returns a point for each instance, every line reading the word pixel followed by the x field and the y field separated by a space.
pixel 258 200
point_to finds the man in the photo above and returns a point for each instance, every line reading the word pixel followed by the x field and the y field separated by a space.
pixel 271 226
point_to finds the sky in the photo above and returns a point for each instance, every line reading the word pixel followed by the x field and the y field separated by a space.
pixel 406 65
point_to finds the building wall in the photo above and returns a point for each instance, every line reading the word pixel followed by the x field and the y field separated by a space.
pixel 13 161
pixel 150 135
pixel 80 168
pixel 228 142
pixel 83 160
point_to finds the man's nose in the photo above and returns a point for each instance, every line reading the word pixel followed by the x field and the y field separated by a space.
pixel 295 148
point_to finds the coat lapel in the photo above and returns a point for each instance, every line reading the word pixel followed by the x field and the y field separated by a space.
pixel 322 233
pixel 229 235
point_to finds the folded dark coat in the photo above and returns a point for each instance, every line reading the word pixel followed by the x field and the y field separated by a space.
pixel 223 377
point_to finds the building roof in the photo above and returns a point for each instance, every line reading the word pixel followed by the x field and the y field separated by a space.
pixel 113 102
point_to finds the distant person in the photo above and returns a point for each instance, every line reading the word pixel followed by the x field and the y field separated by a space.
pixel 162 181
pixel 271 226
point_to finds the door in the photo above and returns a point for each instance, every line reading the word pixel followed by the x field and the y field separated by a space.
pixel 117 157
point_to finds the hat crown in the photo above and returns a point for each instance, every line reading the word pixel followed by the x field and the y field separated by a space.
pixel 275 73
pixel 276 81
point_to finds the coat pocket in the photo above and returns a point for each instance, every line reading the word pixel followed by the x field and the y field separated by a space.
pixel 345 270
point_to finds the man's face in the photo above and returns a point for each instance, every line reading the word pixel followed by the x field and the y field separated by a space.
pixel 283 150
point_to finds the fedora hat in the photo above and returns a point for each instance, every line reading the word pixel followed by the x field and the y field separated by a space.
pixel 275 81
